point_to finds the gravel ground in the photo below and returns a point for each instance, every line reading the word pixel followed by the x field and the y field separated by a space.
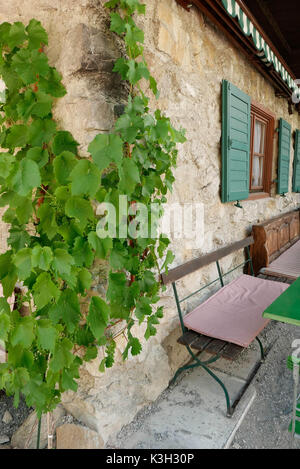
pixel 18 415
pixel 265 426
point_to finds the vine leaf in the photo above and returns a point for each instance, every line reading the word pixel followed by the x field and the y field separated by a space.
pixel 64 141
pixel 42 257
pixel 129 176
pixel 63 166
pixel 44 291
pixel 106 149
pixel 36 34
pixel 47 335
pixel 98 316
pixel 23 333
pixel 79 208
pixel 85 178
pixel 67 309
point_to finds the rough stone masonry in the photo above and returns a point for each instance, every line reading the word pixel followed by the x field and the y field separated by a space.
pixel 189 58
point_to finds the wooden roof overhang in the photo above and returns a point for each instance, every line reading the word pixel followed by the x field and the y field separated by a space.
pixel 216 12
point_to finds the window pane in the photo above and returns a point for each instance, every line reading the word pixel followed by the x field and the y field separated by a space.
pixel 257 171
pixel 259 137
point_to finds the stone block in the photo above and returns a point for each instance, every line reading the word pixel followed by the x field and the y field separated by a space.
pixel 71 436
pixel 26 435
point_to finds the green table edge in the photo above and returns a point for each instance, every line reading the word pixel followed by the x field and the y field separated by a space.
pixel 285 319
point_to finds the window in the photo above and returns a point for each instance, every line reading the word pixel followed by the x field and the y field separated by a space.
pixel 247 147
pixel 261 151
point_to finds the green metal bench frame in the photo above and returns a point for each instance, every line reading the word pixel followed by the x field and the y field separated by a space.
pixel 190 267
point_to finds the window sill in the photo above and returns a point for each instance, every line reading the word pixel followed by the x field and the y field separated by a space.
pixel 259 195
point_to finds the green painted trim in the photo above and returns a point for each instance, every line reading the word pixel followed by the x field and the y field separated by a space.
pixel 296 164
pixel 265 52
pixel 287 320
pixel 230 94
pixel 283 158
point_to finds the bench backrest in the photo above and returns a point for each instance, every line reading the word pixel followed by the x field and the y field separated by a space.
pixel 196 264
pixel 192 266
pixel 273 237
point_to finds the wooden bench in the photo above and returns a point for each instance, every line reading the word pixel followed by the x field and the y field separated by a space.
pixel 272 239
pixel 227 321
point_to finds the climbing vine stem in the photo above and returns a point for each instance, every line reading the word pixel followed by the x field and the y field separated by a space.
pixel 51 194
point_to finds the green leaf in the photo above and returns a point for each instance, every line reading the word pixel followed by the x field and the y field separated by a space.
pixel 17 35
pixel 67 309
pixel 106 149
pixel 91 353
pixel 6 162
pixel 22 261
pixel 44 291
pixel 42 257
pixel 41 131
pixel 101 246
pixel 82 253
pixel 47 217
pixel 8 273
pixel 129 127
pixel 129 176
pixel 79 208
pixel 38 155
pixel 4 326
pixel 62 261
pixel 19 238
pixel 98 316
pixel 84 281
pixel 136 346
pixel 62 356
pixel 85 178
pixel 116 288
pixel 63 141
pixel 5 322
pixel 168 260
pixel 52 84
pixel 68 382
pixel 17 136
pixel 29 65
pixel 121 66
pixel 63 166
pixel 117 24
pixel 47 335
pixel 137 71
pixel 23 333
pixel 133 35
pixel 25 177
pixel 43 104
pixel 36 34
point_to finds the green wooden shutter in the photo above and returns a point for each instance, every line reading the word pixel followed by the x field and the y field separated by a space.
pixel 284 157
pixel 296 171
pixel 236 128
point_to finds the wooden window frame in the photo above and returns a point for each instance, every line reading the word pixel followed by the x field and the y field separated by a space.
pixel 267 117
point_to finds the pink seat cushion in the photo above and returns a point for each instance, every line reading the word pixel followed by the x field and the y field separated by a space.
pixel 288 263
pixel 234 313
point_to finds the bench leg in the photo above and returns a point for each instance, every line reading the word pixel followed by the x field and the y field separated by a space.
pixel 229 408
pixel 262 352
pixel 204 365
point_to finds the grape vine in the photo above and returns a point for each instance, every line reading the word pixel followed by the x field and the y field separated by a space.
pixel 51 195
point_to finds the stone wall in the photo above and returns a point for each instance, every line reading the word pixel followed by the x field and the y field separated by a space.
pixel 189 58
